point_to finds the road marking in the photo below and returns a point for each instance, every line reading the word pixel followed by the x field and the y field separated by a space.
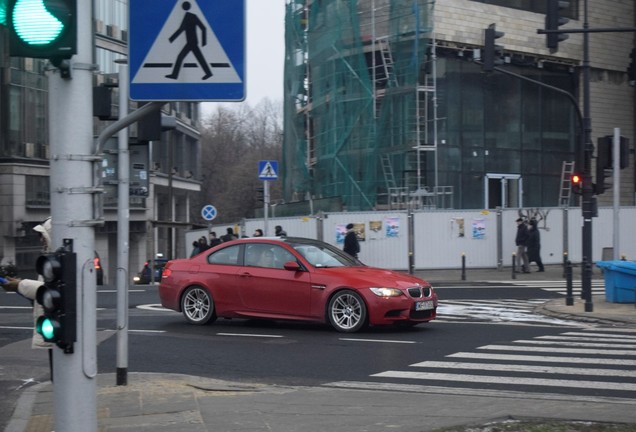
pixel 137 331
pixel 614 338
pixel 526 368
pixel 155 307
pixel 576 344
pixel 545 359
pixel 16 307
pixel 114 291
pixel 377 340
pixel 249 335
pixel 516 381
pixel 558 350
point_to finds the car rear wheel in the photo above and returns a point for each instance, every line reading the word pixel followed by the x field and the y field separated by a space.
pixel 198 306
pixel 347 312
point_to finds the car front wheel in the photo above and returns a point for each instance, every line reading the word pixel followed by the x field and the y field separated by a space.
pixel 198 306
pixel 347 312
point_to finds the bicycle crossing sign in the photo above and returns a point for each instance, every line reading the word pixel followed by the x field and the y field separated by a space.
pixel 181 50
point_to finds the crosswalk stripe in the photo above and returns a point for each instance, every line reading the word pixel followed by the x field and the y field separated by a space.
pixel 560 350
pixel 543 359
pixel 526 368
pixel 511 381
pixel 619 339
pixel 576 344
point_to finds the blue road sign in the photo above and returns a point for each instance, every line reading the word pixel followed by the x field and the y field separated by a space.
pixel 184 50
pixel 268 170
pixel 208 212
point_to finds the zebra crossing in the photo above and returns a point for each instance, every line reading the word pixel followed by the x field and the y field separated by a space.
pixel 560 286
pixel 498 311
pixel 586 365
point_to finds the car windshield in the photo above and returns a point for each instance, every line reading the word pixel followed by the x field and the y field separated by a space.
pixel 324 255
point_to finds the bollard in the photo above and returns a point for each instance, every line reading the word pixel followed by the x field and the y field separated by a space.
pixel 589 306
pixel 514 260
pixel 463 266
pixel 565 264
pixel 569 299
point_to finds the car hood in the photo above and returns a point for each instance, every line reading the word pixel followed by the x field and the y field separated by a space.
pixel 373 276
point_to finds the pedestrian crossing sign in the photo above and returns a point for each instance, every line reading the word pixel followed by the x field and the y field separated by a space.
pixel 268 170
pixel 184 50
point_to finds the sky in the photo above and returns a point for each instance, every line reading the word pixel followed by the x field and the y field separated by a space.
pixel 265 39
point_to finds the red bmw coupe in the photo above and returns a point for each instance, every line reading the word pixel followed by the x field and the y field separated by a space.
pixel 293 279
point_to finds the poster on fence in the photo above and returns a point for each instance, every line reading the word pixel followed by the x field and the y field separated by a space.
pixel 375 230
pixel 479 229
pixel 392 226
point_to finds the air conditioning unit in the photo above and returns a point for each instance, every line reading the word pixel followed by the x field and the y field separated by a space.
pixel 99 26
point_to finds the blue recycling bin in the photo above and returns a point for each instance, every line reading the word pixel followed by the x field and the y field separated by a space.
pixel 620 280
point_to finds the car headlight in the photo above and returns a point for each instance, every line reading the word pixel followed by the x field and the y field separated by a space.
pixel 386 292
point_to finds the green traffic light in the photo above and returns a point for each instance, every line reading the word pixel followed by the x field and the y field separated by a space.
pixel 34 24
pixel 48 328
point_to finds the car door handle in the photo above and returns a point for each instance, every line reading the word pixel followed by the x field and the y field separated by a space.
pixel 245 274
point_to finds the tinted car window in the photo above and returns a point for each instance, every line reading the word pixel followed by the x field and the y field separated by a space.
pixel 323 256
pixel 227 256
pixel 266 255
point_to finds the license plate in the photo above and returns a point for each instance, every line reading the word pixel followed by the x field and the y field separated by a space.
pixel 424 305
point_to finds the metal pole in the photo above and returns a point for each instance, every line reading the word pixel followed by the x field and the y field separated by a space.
pixel 71 170
pixel 616 192
pixel 265 207
pixel 588 149
pixel 123 230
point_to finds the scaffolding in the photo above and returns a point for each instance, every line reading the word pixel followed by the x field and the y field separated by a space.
pixel 360 104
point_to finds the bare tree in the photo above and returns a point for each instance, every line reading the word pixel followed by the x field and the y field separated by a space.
pixel 232 143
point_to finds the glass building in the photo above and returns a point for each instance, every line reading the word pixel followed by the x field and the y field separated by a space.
pixel 164 165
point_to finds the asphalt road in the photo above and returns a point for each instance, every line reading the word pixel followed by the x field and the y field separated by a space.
pixel 487 339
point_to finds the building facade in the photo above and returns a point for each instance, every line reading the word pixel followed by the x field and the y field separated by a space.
pixel 164 164
pixel 387 104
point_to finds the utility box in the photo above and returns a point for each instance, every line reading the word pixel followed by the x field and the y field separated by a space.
pixel 620 280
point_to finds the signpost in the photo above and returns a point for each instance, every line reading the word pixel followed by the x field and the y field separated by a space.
pixel 184 50
pixel 267 171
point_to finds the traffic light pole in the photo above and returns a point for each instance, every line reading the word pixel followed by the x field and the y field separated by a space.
pixel 588 189
pixel 71 170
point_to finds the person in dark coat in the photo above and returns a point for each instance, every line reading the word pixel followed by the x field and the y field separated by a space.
pixel 521 241
pixel 534 244
pixel 351 244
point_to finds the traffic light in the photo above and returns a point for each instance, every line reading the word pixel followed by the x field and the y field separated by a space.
pixel 492 53
pixel 553 20
pixel 576 184
pixel 603 163
pixel 631 69
pixel 260 194
pixel 42 29
pixel 58 297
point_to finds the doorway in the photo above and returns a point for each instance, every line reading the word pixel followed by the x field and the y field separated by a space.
pixel 503 190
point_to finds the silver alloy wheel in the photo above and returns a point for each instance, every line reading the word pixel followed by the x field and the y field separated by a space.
pixel 197 305
pixel 347 312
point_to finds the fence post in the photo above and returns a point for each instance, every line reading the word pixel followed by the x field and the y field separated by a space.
pixel 463 266
pixel 569 299
pixel 514 265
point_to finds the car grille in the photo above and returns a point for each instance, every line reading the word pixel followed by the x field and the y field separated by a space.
pixel 422 314
pixel 420 292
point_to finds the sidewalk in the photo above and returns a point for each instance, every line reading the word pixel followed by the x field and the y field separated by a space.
pixel 173 402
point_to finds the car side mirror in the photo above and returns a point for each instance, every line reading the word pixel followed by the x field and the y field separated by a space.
pixel 292 266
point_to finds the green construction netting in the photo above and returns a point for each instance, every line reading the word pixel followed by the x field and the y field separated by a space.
pixel 352 105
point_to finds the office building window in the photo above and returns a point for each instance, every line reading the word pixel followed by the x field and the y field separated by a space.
pixel 572 11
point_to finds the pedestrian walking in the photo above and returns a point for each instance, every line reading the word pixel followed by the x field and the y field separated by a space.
pixel 521 240
pixel 351 244
pixel 28 288
pixel 214 240
pixel 279 231
pixel 195 249
pixel 534 245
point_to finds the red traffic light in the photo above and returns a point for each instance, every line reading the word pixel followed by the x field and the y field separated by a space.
pixel 576 184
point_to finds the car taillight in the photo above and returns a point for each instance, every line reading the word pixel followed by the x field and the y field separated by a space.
pixel 166 273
